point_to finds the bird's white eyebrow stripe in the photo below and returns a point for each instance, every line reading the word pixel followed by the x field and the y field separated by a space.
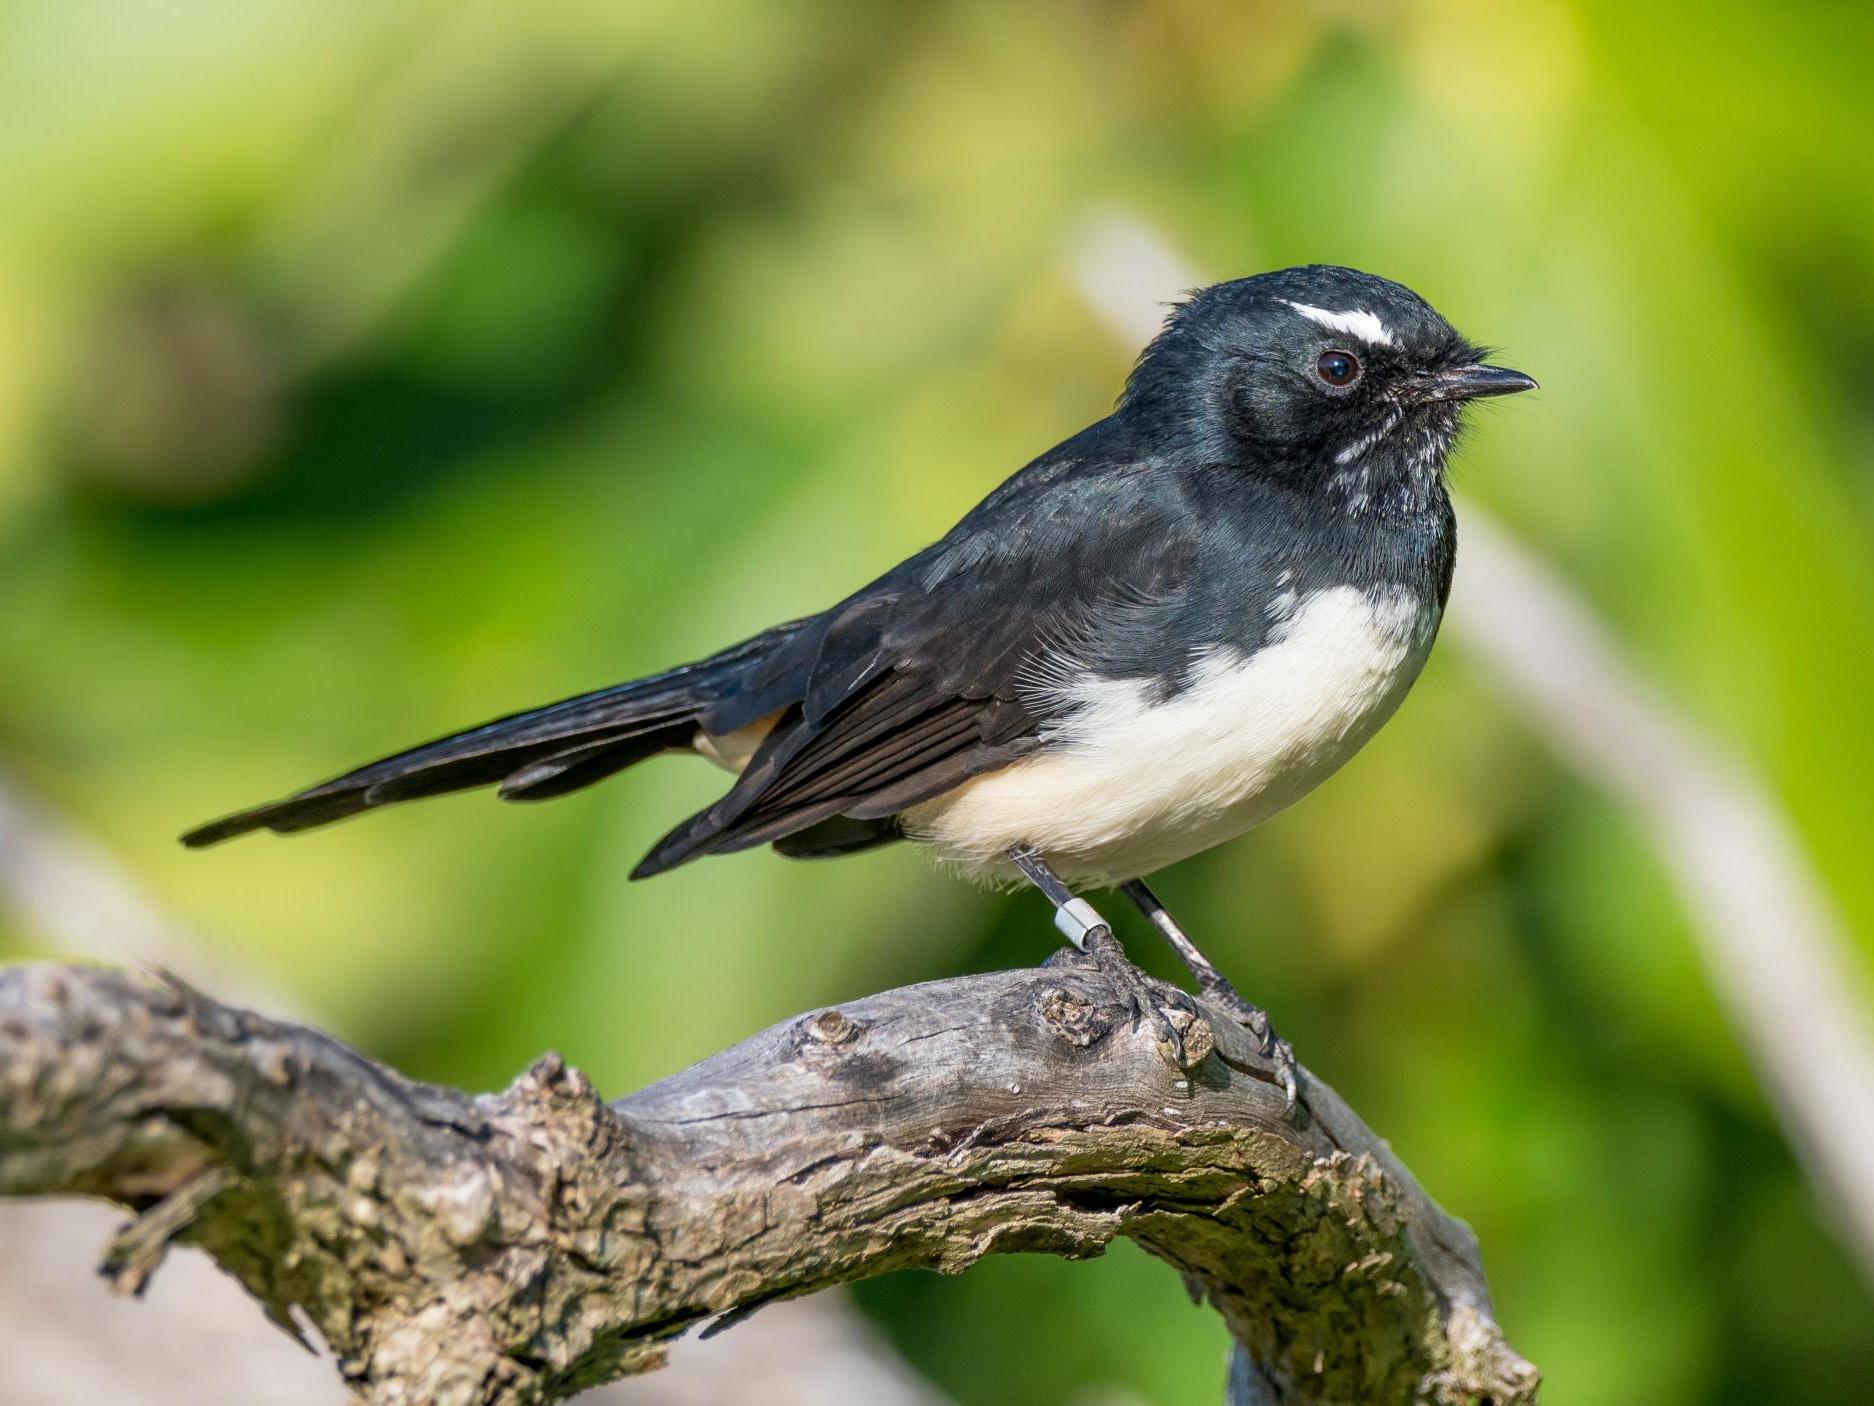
pixel 1358 323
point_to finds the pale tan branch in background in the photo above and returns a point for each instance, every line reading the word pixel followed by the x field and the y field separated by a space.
pixel 1770 935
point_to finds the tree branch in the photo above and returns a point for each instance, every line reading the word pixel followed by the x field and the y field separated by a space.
pixel 516 1248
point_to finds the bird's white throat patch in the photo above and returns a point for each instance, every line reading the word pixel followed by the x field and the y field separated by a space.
pixel 1129 781
pixel 1356 322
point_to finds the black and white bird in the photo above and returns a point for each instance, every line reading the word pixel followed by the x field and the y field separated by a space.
pixel 1152 638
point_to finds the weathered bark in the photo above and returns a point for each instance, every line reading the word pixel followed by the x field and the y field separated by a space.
pixel 514 1248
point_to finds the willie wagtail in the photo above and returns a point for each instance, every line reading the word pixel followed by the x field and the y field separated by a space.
pixel 1158 634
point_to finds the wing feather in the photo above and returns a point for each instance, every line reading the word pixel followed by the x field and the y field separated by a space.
pixel 921 680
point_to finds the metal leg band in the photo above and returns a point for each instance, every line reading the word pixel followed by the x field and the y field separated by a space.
pixel 1076 918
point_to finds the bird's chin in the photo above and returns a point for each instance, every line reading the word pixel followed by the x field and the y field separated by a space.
pixel 1429 433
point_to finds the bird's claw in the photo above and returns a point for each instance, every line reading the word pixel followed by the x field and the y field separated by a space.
pixel 1272 1047
pixel 1142 1002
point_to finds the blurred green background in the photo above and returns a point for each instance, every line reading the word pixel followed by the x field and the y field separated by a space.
pixel 370 369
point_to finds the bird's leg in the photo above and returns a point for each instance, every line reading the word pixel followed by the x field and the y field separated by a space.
pixel 1215 986
pixel 1082 925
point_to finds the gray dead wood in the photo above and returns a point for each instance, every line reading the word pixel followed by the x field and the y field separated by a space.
pixel 515 1248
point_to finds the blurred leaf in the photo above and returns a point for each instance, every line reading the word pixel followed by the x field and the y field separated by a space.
pixel 367 371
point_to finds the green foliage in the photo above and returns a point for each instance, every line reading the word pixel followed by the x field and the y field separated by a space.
pixel 367 370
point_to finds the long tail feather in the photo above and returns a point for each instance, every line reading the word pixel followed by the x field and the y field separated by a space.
pixel 532 755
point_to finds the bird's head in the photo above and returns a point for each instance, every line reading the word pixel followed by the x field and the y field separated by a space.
pixel 1326 379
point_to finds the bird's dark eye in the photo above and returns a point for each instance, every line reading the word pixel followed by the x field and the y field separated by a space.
pixel 1338 368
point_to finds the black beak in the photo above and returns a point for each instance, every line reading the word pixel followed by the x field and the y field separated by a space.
pixel 1475 382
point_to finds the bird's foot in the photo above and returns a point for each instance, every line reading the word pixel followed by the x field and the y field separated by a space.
pixel 1174 1028
pixel 1272 1047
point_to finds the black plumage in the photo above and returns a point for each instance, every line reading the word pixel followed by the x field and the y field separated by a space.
pixel 1231 478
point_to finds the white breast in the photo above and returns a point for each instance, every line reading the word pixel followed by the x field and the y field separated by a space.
pixel 1129 783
